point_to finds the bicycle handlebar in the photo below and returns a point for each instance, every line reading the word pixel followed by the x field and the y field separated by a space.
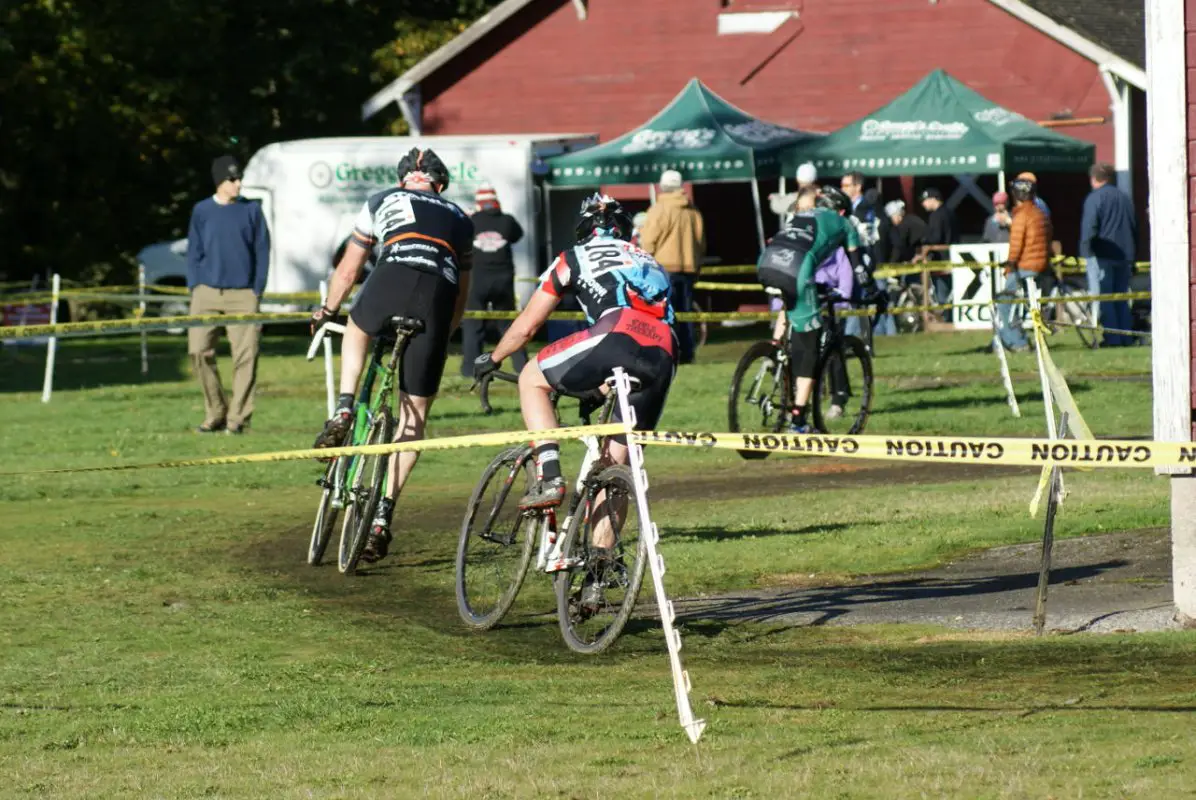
pixel 321 332
pixel 483 386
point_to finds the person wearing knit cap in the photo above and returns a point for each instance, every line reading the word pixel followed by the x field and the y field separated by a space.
pixel 228 258
pixel 782 204
pixel 493 285
pixel 996 227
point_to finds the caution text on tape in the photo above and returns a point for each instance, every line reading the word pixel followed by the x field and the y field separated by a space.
pixel 1114 453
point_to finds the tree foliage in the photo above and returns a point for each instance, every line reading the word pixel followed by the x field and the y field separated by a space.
pixel 112 112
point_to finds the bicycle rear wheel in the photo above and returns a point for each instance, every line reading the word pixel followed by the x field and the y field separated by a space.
pixel 595 599
pixel 905 309
pixel 326 513
pixel 367 489
pixel 842 398
pixel 761 394
pixel 495 547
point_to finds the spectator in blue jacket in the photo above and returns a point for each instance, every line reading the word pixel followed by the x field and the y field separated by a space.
pixel 228 256
pixel 1108 236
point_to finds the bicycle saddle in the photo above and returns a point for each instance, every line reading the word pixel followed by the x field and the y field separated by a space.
pixel 407 324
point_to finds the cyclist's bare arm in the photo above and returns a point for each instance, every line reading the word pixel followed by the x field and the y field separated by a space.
pixel 346 274
pixel 530 320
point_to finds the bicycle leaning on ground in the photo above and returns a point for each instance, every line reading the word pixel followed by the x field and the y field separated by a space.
pixel 595 596
pixel 1058 309
pixel 356 483
pixel 763 385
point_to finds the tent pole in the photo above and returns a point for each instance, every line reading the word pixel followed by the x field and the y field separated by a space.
pixel 652 194
pixel 1001 181
pixel 759 214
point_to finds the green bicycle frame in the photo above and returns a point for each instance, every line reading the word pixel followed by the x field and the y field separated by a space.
pixel 367 405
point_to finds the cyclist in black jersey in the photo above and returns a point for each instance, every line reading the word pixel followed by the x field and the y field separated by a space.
pixel 624 295
pixel 424 249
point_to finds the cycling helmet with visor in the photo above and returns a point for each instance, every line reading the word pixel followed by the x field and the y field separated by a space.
pixel 423 166
pixel 602 215
pixel 834 199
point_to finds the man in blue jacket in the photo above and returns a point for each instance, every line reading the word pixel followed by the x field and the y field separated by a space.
pixel 1108 236
pixel 228 256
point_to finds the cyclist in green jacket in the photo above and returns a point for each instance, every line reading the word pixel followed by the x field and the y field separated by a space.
pixel 788 264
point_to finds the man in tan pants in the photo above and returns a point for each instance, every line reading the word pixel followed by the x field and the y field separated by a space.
pixel 228 256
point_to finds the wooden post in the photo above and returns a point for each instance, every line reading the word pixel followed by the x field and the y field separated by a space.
pixel 1054 489
pixel 1170 134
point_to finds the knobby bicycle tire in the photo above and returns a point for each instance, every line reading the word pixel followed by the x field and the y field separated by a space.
pixel 367 489
pixel 326 512
pixel 861 396
pixel 775 404
pixel 616 576
pixel 487 533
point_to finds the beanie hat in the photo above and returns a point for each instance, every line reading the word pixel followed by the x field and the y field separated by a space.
pixel 486 197
pixel 670 180
pixel 806 173
pixel 225 168
pixel 895 207
pixel 1000 199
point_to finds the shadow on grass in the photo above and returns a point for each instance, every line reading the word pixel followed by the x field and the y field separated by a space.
pixel 757 532
pixel 820 606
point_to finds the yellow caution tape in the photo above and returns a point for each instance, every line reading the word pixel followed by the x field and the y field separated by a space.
pixel 425 445
pixel 103 326
pixel 730 269
pixel 1107 453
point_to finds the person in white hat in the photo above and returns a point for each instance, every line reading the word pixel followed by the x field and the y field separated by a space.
pixel 675 235
pixel 782 204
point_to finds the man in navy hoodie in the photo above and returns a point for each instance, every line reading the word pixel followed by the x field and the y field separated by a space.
pixel 1108 236
pixel 228 256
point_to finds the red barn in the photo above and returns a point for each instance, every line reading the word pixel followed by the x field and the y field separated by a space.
pixel 605 66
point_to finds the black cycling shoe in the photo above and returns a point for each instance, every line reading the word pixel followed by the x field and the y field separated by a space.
pixel 545 494
pixel 377 543
pixel 335 429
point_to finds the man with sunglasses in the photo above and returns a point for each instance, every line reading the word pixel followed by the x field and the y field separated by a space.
pixel 228 257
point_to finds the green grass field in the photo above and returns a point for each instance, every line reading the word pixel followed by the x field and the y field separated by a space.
pixel 163 636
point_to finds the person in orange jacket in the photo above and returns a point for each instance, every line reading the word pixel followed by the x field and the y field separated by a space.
pixel 1029 253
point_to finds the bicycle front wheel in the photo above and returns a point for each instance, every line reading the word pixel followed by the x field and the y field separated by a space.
pixel 596 596
pixel 366 490
pixel 761 393
pixel 842 397
pixel 496 542
pixel 326 513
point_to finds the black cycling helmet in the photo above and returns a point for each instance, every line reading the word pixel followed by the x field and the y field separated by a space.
pixel 832 198
pixel 602 213
pixel 427 162
pixel 1022 190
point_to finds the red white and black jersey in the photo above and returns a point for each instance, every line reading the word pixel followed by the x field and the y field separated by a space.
pixel 607 273
pixel 421 230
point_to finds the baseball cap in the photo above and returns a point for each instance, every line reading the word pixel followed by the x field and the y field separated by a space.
pixel 225 168
pixel 807 173
pixel 1000 198
pixel 1027 176
pixel 670 180
pixel 932 192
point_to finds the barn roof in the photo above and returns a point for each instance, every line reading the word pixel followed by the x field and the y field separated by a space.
pixel 1111 33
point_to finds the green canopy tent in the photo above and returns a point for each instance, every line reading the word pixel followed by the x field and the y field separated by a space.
pixel 941 127
pixel 699 134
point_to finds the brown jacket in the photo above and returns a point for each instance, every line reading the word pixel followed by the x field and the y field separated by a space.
pixel 674 233
pixel 1029 238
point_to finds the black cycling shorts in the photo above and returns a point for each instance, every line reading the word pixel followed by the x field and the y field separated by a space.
pixel 803 352
pixel 641 344
pixel 396 290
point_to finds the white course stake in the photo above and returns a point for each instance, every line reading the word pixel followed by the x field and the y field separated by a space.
pixel 1048 399
pixel 141 308
pixel 999 348
pixel 52 343
pixel 328 383
pixel 681 685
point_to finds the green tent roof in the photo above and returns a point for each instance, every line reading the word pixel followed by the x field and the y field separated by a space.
pixel 941 127
pixel 698 133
